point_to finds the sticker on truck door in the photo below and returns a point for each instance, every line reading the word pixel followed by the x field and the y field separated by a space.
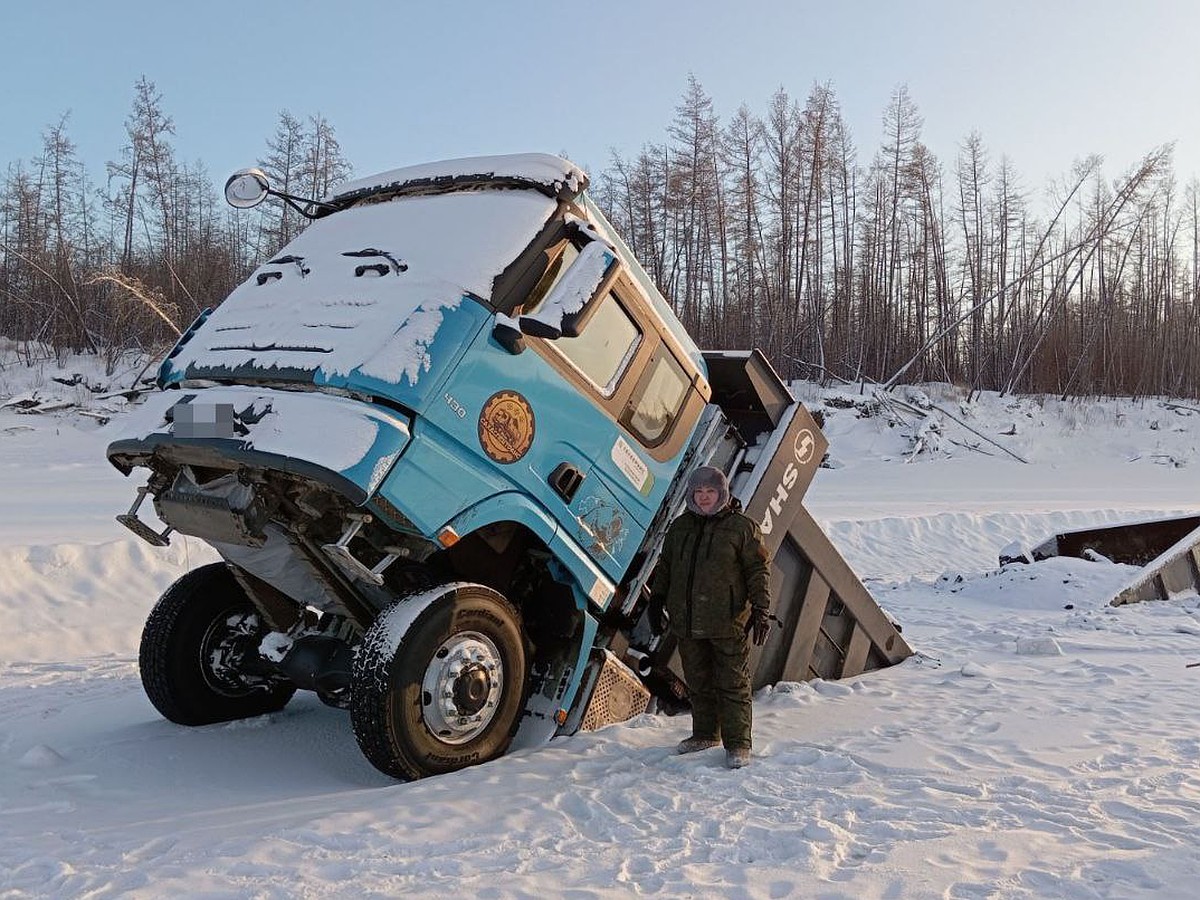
pixel 632 466
pixel 601 527
pixel 506 426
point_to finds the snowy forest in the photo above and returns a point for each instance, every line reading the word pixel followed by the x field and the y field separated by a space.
pixel 771 229
pixel 128 264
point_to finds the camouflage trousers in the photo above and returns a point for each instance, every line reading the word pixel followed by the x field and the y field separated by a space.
pixel 717 671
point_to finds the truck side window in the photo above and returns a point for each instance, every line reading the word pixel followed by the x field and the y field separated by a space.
pixel 604 349
pixel 658 399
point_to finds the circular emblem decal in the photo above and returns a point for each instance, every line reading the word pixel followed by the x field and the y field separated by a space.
pixel 805 446
pixel 506 426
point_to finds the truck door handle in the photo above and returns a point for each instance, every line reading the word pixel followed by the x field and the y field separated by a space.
pixel 566 479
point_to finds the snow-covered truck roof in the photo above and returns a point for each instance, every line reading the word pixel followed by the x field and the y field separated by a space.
pixel 368 287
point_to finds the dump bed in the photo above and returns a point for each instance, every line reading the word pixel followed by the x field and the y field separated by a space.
pixel 830 626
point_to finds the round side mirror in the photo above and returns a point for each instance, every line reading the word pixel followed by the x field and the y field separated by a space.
pixel 246 188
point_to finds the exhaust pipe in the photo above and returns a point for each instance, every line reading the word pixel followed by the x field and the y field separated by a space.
pixel 638 661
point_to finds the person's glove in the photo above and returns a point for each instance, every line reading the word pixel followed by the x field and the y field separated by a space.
pixel 758 626
pixel 657 616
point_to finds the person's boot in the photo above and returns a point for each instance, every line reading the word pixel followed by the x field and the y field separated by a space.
pixel 737 757
pixel 693 744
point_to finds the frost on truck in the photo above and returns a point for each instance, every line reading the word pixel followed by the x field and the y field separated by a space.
pixel 436 441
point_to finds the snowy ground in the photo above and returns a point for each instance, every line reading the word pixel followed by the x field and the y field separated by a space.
pixel 1040 744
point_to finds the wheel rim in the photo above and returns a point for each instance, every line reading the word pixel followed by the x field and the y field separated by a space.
pixel 461 690
pixel 223 650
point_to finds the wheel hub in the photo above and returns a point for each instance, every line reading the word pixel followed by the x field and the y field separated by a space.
pixel 471 689
pixel 227 645
pixel 462 687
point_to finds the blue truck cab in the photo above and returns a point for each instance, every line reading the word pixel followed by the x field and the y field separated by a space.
pixel 436 441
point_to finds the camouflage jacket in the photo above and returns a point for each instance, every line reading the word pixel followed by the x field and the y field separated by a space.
pixel 711 570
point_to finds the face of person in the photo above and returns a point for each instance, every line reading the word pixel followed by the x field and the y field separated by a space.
pixel 706 498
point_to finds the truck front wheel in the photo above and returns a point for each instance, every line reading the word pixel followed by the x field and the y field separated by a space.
pixel 198 650
pixel 439 681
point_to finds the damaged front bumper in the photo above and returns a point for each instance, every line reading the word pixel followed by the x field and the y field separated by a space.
pixel 204 446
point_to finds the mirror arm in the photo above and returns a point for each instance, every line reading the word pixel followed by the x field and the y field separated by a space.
pixel 294 202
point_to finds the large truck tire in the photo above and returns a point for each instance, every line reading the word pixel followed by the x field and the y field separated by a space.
pixel 439 681
pixel 194 649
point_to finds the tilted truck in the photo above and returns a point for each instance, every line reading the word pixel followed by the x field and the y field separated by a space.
pixel 437 441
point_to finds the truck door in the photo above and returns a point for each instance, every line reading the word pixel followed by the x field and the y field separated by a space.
pixel 640 402
pixel 612 396
pixel 606 483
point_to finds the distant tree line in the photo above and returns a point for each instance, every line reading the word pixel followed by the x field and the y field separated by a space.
pixel 770 231
pixel 762 231
pixel 127 264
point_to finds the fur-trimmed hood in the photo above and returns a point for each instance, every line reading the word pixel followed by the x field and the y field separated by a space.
pixel 708 476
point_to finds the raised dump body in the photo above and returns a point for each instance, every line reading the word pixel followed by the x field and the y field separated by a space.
pixel 830 626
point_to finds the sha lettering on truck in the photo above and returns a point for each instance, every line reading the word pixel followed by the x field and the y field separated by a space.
pixel 802 449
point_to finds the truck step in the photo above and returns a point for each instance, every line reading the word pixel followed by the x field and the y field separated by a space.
pixel 340 553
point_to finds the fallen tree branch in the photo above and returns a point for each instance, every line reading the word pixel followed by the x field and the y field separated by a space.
pixel 1015 456
pixel 141 293
pixel 974 447
pixel 918 411
pixel 1194 409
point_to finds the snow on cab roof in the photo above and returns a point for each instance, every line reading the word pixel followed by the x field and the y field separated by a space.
pixel 551 175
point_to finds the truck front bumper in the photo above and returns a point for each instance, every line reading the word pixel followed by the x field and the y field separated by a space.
pixel 344 443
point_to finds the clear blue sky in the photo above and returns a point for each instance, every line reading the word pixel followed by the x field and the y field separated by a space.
pixel 1044 81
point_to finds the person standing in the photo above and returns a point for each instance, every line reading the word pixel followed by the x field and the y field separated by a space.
pixel 711 591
